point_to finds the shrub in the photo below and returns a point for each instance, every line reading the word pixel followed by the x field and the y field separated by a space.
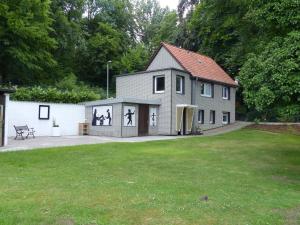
pixel 53 94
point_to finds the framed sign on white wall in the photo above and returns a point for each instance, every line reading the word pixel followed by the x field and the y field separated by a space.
pixel 44 112
pixel 129 116
pixel 153 116
pixel 102 115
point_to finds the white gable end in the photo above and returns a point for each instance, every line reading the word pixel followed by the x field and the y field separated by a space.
pixel 163 60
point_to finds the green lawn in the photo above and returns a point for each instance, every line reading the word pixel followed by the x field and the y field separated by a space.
pixel 250 177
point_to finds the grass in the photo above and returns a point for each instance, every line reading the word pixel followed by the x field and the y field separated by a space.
pixel 250 177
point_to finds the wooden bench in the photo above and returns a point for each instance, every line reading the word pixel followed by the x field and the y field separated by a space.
pixel 20 130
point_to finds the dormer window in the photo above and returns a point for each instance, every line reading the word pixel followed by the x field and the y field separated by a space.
pixel 206 90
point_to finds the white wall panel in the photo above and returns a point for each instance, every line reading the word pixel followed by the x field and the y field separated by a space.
pixel 67 116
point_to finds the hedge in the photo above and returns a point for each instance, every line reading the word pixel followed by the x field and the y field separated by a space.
pixel 52 94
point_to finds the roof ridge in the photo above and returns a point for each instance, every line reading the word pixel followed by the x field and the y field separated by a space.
pixel 189 51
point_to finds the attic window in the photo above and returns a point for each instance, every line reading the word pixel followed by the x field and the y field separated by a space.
pixel 199 61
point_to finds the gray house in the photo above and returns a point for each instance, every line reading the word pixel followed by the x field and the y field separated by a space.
pixel 179 92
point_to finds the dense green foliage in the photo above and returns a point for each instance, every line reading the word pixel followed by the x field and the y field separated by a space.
pixel 53 94
pixel 68 90
pixel 258 41
pixel 25 43
pixel 271 80
pixel 249 176
pixel 42 42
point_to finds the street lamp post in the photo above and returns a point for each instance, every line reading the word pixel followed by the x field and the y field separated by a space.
pixel 107 78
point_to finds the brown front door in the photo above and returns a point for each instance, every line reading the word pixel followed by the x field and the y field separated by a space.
pixel 143 120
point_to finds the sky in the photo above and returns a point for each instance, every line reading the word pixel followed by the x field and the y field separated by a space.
pixel 171 3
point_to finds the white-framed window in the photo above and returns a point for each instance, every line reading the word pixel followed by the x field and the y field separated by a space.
pixel 159 84
pixel 212 116
pixel 179 84
pixel 201 116
pixel 225 92
pixel 206 90
pixel 226 118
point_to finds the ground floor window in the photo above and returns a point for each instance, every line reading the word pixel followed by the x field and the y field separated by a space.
pixel 212 117
pixel 226 118
pixel 201 116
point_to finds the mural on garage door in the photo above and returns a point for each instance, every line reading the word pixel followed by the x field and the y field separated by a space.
pixel 129 116
pixel 102 115
pixel 153 116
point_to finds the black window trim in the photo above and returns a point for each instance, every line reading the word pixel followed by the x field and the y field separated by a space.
pixel 154 84
pixel 202 84
pixel 213 121
pixel 228 117
pixel 202 116
pixel 182 92
pixel 228 93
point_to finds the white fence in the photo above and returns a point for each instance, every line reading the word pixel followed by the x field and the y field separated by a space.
pixel 67 116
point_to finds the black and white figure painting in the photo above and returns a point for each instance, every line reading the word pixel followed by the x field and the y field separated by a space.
pixel 129 116
pixel 153 116
pixel 102 115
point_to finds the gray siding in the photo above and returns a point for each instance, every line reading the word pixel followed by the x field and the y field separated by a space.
pixel 216 103
pixel 114 130
pixel 141 86
pixel 163 60
pixel 130 131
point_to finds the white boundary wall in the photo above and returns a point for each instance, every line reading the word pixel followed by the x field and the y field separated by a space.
pixel 67 116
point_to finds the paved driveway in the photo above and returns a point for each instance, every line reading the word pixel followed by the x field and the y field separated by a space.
pixel 46 142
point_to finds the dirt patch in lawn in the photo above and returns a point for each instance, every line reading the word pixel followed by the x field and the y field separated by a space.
pixel 65 221
pixel 291 216
pixel 288 129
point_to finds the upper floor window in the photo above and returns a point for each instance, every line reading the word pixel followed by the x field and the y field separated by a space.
pixel 159 84
pixel 206 90
pixel 179 84
pixel 225 92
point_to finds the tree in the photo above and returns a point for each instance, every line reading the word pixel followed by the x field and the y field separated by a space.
pixel 168 29
pixel 185 7
pixel 68 33
pixel 25 45
pixel 271 80
pixel 105 44
pixel 219 29
pixel 134 60
pixel 148 18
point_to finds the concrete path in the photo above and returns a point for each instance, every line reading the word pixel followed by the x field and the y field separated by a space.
pixel 47 142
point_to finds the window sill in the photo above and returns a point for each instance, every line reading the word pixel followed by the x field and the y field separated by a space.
pixel 159 92
pixel 206 96
pixel 225 98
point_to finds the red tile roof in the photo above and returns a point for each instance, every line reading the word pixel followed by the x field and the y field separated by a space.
pixel 199 65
